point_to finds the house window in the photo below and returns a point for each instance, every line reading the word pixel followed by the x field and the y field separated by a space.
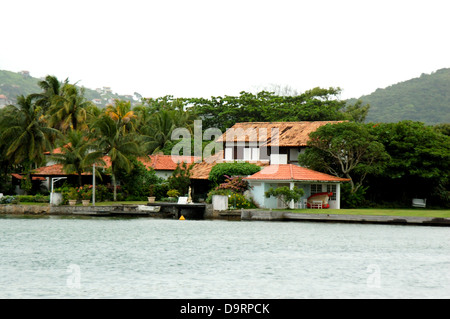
pixel 332 188
pixel 316 188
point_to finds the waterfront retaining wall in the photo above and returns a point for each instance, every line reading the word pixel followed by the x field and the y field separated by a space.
pixel 210 213
pixel 264 215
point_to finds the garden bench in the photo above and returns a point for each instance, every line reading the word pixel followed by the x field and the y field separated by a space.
pixel 419 202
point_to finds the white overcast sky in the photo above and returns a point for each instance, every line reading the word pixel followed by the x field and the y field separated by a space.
pixel 203 48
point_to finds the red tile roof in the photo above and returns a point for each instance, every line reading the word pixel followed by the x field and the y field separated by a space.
pixel 52 170
pixel 167 162
pixel 157 162
pixel 34 178
pixel 292 172
pixel 289 133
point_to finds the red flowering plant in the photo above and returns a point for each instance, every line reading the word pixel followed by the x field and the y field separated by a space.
pixel 235 184
pixel 85 191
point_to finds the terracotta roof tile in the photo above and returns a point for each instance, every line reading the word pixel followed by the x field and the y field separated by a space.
pixel 34 178
pixel 201 170
pixel 167 162
pixel 52 170
pixel 290 133
pixel 157 162
pixel 293 173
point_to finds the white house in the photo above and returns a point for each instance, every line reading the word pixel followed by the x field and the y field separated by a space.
pixel 164 165
pixel 321 190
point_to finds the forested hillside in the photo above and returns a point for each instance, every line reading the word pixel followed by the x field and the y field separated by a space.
pixel 425 99
pixel 13 84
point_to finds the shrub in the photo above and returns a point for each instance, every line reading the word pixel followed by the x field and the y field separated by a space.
pixel 173 193
pixel 351 199
pixel 180 178
pixel 235 184
pixel 285 194
pixel 9 200
pixel 33 198
pixel 160 190
pixel 219 171
pixel 239 201
pixel 85 192
pixel 72 193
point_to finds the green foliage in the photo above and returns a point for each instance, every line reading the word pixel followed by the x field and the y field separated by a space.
pixel 419 163
pixel 313 105
pixel 15 84
pixel 73 194
pixel 118 144
pixel 8 200
pixel 84 192
pixel 347 150
pixel 239 201
pixel 424 99
pixel 77 155
pixel 38 198
pixel 351 199
pixel 173 193
pixel 235 184
pixel 138 181
pixel 219 172
pixel 180 180
pixel 415 150
pixel 285 194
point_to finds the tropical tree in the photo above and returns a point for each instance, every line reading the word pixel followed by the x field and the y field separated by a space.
pixel 180 179
pixel 51 87
pixel 117 144
pixel 317 104
pixel 156 120
pixel 285 194
pixel 27 136
pixel 122 114
pixel 69 109
pixel 419 163
pixel 78 154
pixel 347 150
pixel 158 132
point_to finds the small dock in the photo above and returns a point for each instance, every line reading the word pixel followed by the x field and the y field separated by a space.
pixel 158 210
pixel 175 210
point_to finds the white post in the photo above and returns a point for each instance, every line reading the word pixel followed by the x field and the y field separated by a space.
pixel 93 185
pixel 291 187
pixel 53 181
pixel 51 193
pixel 338 196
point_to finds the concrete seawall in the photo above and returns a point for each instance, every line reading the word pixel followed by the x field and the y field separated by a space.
pixel 264 215
pixel 246 215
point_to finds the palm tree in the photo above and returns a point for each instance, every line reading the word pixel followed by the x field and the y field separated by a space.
pixel 69 109
pixel 117 144
pixel 27 135
pixel 122 114
pixel 51 87
pixel 159 130
pixel 78 154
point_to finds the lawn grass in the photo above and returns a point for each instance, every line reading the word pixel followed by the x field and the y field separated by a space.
pixel 413 212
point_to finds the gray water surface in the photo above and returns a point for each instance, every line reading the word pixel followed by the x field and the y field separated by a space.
pixel 60 257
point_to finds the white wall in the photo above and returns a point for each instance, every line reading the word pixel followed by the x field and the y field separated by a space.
pixel 259 188
pixel 163 174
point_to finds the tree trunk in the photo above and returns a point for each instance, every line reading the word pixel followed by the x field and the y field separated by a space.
pixel 114 186
pixel 79 180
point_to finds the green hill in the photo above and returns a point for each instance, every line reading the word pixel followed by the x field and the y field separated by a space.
pixel 13 84
pixel 425 99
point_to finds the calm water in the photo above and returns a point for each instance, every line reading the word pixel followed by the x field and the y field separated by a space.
pixel 56 257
